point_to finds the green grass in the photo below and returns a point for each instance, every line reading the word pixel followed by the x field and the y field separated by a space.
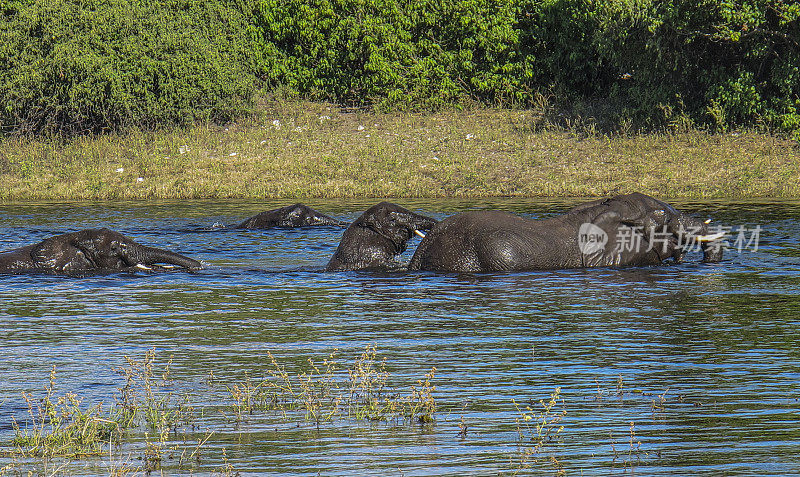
pixel 315 150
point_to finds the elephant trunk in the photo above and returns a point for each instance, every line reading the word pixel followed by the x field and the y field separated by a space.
pixel 152 256
pixel 701 232
pixel 709 243
pixel 420 223
pixel 331 222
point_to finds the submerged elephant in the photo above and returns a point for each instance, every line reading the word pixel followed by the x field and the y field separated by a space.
pixel 632 229
pixel 297 215
pixel 91 250
pixel 377 237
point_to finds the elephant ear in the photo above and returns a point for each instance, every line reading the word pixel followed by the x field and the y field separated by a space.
pixel 370 220
pixel 598 240
pixel 366 223
pixel 375 227
pixel 58 254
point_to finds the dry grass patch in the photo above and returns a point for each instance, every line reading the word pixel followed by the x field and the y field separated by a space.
pixel 318 150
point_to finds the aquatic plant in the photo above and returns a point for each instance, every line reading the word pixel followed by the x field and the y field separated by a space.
pixel 359 392
pixel 149 427
pixel 143 395
pixel 537 430
pixel 61 425
pixel 631 456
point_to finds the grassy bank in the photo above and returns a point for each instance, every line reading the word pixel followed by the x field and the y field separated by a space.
pixel 317 150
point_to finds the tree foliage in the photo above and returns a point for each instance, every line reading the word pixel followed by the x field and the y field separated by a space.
pixel 94 65
pixel 77 66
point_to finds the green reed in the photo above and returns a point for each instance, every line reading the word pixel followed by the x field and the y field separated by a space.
pixel 330 390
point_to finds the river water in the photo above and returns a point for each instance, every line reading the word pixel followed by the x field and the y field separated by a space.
pixel 671 370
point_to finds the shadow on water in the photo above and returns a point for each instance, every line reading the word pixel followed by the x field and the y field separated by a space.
pixel 690 368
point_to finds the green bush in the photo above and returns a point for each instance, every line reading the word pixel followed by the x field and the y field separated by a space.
pixel 396 53
pixel 92 65
pixel 724 63
pixel 77 66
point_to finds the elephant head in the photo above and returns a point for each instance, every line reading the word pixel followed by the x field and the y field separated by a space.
pixel 297 215
pixel 665 232
pixel 89 250
pixel 377 237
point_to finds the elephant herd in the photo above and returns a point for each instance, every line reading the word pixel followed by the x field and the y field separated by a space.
pixel 626 230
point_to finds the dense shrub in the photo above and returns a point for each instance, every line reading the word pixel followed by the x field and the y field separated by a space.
pixel 714 61
pixel 76 66
pixel 91 65
pixel 396 52
pixel 717 61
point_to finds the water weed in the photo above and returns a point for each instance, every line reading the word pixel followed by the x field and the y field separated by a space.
pixel 62 426
pixel 143 395
pixel 630 453
pixel 538 430
pixel 321 393
pixel 150 427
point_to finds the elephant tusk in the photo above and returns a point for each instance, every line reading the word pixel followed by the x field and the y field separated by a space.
pixel 710 238
pixel 419 233
pixel 142 267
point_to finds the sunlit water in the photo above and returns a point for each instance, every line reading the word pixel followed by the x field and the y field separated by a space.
pixel 715 346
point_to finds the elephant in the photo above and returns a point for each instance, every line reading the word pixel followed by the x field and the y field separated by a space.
pixel 377 237
pixel 297 215
pixel 633 229
pixel 89 251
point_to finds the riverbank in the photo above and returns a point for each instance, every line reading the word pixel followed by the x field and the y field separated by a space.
pixel 310 150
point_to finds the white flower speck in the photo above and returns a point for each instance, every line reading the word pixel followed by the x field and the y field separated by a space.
pixel 121 170
pixel 233 154
pixel 470 136
pixel 276 124
pixel 140 179
pixel 298 129
pixel 263 142
pixel 361 128
pixel 183 149
pixel 324 118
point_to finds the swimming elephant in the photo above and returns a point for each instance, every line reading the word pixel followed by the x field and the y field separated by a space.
pixel 632 229
pixel 377 237
pixel 297 215
pixel 91 250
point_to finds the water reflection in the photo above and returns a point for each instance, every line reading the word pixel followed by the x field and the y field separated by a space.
pixel 719 341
